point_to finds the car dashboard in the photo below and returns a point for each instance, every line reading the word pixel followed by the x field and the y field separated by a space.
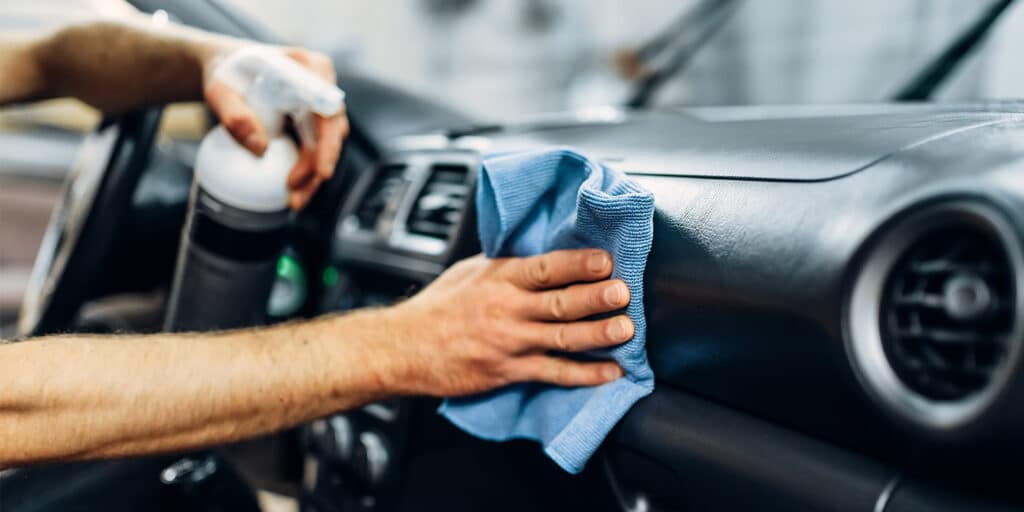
pixel 832 299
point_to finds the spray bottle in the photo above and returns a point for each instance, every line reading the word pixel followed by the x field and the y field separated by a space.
pixel 238 215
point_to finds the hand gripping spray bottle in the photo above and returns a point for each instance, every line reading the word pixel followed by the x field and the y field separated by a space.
pixel 238 209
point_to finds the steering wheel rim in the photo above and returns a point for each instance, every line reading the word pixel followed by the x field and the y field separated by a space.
pixel 97 194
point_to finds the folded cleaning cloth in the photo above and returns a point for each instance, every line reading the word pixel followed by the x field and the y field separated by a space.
pixel 534 202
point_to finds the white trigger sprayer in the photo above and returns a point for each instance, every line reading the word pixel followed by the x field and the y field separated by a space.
pixel 238 211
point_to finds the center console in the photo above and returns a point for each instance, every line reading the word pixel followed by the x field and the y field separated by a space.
pixel 407 219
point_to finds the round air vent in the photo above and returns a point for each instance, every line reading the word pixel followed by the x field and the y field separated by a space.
pixel 932 321
pixel 946 312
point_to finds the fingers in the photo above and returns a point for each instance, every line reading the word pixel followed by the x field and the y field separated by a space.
pixel 302 171
pixel 564 372
pixel 579 301
pixel 580 336
pixel 302 181
pixel 331 131
pixel 236 117
pixel 299 198
pixel 315 62
pixel 559 268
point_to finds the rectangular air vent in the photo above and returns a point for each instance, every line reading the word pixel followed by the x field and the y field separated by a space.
pixel 381 196
pixel 441 202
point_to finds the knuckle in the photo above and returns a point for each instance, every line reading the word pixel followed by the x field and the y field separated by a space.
pixel 540 272
pixel 560 340
pixel 557 305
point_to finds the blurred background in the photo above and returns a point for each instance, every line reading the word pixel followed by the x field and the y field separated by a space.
pixel 500 58
pixel 503 59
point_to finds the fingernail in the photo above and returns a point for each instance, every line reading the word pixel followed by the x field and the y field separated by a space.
pixel 611 372
pixel 615 294
pixel 619 330
pixel 255 143
pixel 598 262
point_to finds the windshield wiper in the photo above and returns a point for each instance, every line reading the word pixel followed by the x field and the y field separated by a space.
pixel 936 72
pixel 695 30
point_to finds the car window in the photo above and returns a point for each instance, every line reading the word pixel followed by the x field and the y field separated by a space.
pixel 501 58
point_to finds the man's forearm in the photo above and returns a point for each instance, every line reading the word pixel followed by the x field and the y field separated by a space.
pixel 92 397
pixel 481 325
pixel 113 66
pixel 20 76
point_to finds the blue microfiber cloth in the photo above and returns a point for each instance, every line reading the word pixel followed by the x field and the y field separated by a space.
pixel 538 201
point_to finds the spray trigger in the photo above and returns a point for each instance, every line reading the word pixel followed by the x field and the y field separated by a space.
pixel 304 126
pixel 275 85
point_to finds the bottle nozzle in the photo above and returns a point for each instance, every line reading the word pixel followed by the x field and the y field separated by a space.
pixel 275 85
pixel 327 101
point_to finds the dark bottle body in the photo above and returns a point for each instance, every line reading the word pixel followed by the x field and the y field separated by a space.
pixel 226 265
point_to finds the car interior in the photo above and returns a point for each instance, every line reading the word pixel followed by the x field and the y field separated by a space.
pixel 832 302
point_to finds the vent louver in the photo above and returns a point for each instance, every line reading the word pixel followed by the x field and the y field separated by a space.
pixel 947 312
pixel 441 202
pixel 384 190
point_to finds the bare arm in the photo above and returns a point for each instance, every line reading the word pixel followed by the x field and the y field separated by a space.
pixel 111 65
pixel 483 324
pixel 21 78
pixel 130 63
pixel 96 396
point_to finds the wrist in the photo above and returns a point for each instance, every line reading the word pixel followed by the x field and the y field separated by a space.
pixel 362 353
pixel 208 53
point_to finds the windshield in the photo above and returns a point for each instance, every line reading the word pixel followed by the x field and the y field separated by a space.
pixel 507 57
pixel 502 58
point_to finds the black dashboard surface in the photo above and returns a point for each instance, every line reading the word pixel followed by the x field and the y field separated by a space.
pixel 746 279
pixel 796 149
pixel 758 225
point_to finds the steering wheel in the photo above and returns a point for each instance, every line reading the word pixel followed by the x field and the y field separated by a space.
pixel 83 229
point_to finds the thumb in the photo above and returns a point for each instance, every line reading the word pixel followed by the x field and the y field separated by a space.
pixel 237 117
